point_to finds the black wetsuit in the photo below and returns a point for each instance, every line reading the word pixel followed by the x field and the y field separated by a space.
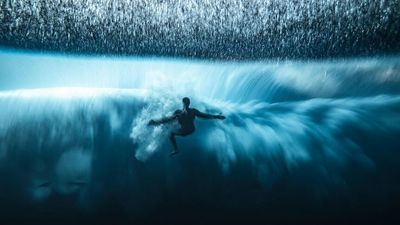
pixel 185 118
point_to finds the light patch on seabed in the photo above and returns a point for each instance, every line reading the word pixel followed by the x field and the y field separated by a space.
pixel 71 174
pixel 73 170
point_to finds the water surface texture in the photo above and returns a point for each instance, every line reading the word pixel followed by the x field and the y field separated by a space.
pixel 218 29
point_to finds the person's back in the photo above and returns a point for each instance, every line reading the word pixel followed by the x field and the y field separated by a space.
pixel 186 118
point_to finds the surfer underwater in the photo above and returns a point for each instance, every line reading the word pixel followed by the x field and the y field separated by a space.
pixel 185 117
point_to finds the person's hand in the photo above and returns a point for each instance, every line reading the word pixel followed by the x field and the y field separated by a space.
pixel 152 122
pixel 221 117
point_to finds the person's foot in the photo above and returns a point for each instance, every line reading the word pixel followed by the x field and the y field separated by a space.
pixel 173 153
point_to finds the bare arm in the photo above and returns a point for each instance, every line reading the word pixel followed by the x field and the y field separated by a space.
pixel 164 120
pixel 208 116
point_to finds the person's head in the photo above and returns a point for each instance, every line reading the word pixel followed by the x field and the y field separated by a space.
pixel 186 102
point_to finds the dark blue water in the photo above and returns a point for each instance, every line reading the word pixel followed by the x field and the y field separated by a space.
pixel 303 142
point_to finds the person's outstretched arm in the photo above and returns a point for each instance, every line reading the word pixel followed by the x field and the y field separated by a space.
pixel 208 116
pixel 164 120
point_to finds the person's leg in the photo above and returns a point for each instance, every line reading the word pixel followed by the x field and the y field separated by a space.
pixel 173 139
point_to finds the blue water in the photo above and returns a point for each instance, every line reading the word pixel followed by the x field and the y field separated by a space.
pixel 303 141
